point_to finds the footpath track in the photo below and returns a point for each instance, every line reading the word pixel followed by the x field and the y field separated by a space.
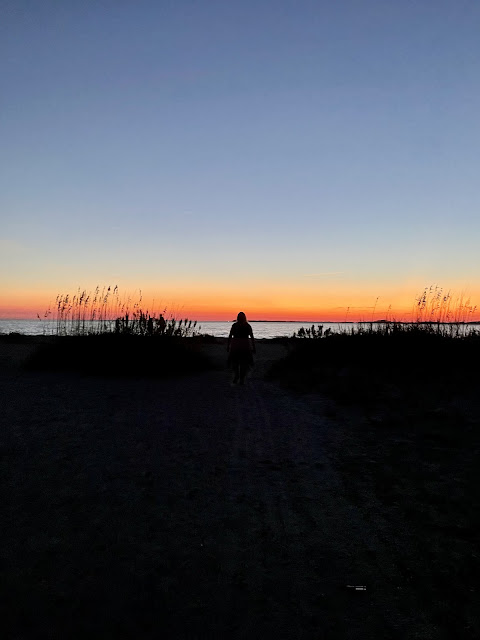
pixel 186 508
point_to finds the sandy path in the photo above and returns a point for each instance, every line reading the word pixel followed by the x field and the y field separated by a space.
pixel 185 509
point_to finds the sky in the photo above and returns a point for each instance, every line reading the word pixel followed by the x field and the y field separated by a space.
pixel 298 160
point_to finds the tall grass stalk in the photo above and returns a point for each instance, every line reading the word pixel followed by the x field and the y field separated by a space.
pixel 434 311
pixel 434 305
pixel 105 311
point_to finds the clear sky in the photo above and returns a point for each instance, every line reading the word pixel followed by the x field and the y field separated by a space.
pixel 293 159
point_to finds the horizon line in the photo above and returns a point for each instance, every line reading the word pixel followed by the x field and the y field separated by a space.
pixel 379 321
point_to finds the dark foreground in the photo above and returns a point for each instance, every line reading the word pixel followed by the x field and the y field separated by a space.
pixel 186 508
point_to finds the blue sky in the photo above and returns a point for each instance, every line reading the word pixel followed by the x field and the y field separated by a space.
pixel 240 148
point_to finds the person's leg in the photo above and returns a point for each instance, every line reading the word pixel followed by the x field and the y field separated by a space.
pixel 236 371
pixel 243 371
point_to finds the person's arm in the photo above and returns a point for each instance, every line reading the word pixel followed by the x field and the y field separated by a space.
pixel 253 341
pixel 229 338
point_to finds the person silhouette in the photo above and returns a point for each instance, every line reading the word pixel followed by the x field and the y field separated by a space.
pixel 240 348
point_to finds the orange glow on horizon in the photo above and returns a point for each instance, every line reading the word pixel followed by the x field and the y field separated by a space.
pixel 264 302
pixel 310 315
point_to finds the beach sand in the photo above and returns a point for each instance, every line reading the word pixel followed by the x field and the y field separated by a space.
pixel 189 508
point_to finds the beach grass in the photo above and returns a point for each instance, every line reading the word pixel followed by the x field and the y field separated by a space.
pixel 438 348
pixel 107 311
pixel 105 333
pixel 370 355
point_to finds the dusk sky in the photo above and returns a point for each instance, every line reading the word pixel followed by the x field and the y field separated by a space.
pixel 289 158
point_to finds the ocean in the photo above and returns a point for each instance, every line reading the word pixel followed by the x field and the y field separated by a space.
pixel 218 329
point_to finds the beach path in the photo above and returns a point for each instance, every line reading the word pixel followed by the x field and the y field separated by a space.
pixel 185 508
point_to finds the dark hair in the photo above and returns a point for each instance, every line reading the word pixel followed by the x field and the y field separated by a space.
pixel 241 317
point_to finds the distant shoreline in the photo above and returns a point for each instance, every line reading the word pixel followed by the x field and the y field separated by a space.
pixel 310 322
pixel 353 321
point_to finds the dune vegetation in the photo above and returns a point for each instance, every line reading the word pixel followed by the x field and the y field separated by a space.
pixel 438 348
pixel 107 311
pixel 103 333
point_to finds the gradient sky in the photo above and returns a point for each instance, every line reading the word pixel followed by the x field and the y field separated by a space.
pixel 289 158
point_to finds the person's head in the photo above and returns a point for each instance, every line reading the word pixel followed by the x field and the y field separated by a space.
pixel 242 318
